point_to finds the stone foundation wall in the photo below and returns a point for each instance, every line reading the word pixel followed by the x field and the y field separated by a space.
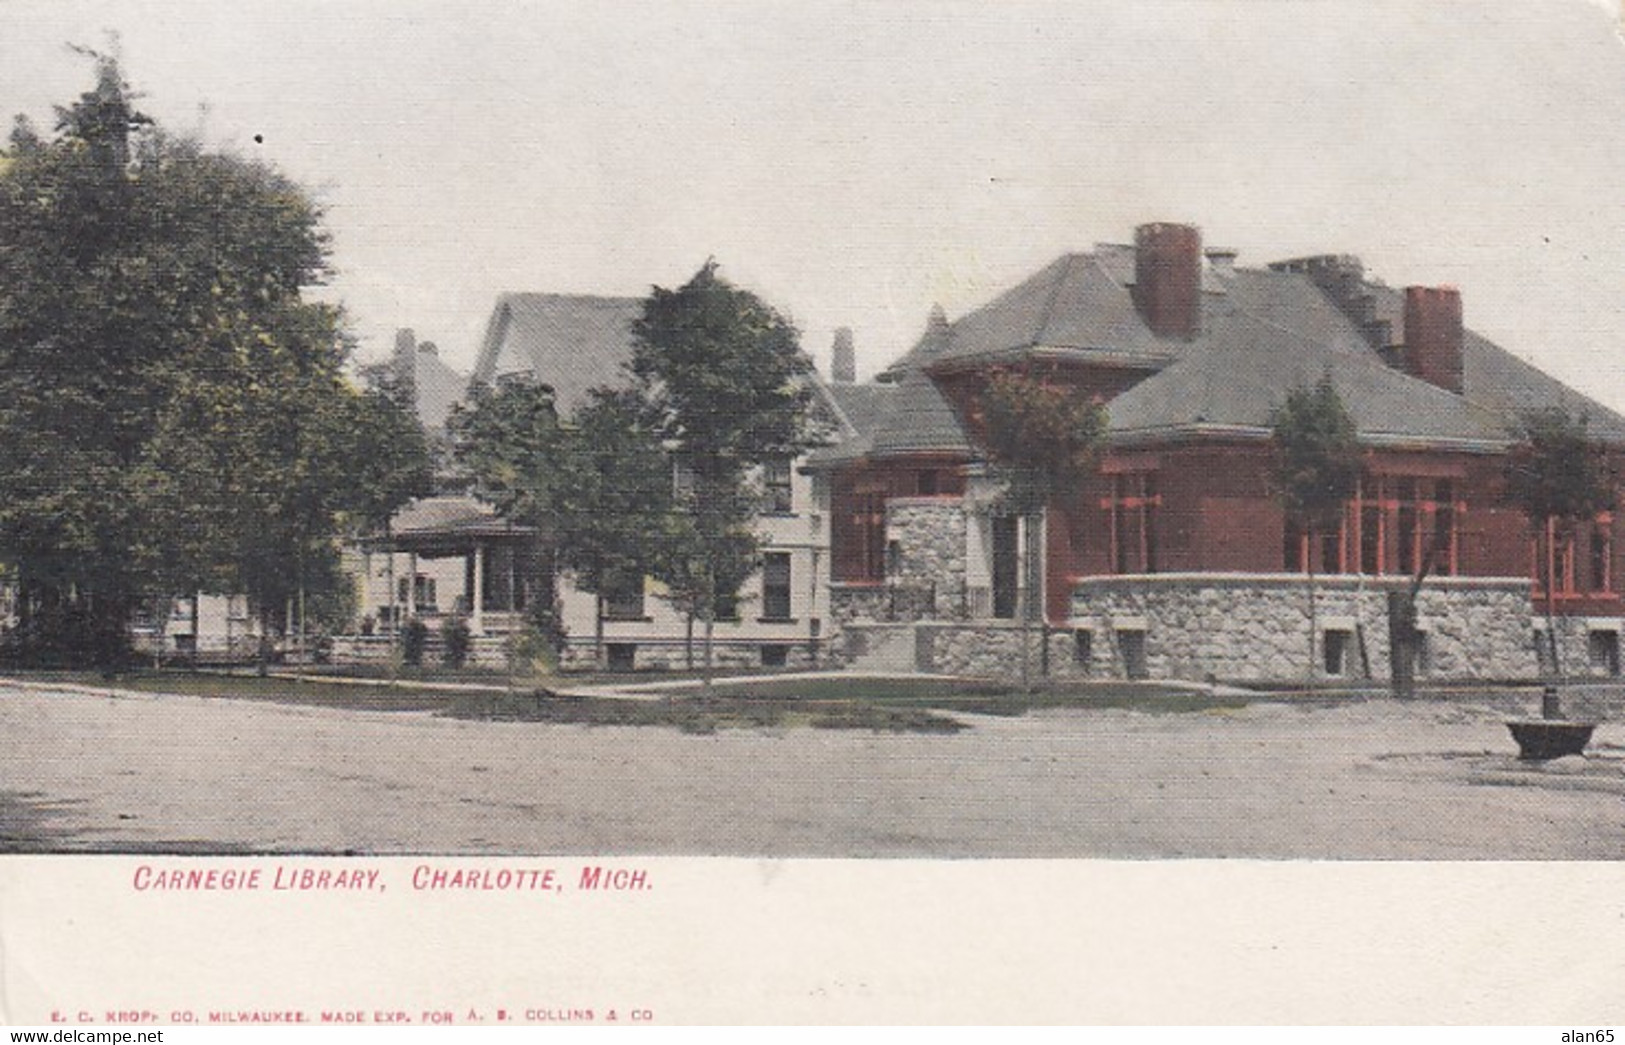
pixel 928 534
pixel 672 655
pixel 993 650
pixel 483 652
pixel 1587 647
pixel 1256 628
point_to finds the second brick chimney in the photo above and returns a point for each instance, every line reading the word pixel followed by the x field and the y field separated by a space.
pixel 843 358
pixel 1168 278
pixel 1433 335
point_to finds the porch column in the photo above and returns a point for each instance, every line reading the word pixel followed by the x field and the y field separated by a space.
pixel 476 606
pixel 412 585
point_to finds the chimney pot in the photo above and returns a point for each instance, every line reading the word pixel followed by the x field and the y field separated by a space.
pixel 1433 336
pixel 843 363
pixel 1221 259
pixel 1168 278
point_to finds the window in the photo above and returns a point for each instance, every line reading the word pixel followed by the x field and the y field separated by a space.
pixel 419 591
pixel 775 656
pixel 864 555
pixel 1402 523
pixel 1603 649
pixel 1132 510
pixel 623 656
pixel 1554 557
pixel 1335 651
pixel 778 497
pixel 1083 648
pixel 727 601
pixel 1407 521
pixel 1602 554
pixel 1132 646
pixel 623 597
pixel 682 482
pixel 925 482
pixel 776 586
pixel 1370 538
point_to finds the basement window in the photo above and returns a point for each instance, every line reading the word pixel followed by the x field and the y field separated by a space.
pixel 1131 644
pixel 623 656
pixel 1335 644
pixel 1603 650
pixel 1083 648
pixel 775 656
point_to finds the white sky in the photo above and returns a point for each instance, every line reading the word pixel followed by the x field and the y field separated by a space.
pixel 855 161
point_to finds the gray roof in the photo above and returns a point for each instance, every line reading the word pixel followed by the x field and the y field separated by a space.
pixel 573 342
pixel 1495 378
pixel 911 416
pixel 437 387
pixel 1249 365
pixel 1263 331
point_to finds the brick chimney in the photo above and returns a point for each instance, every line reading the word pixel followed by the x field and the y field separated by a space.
pixel 1433 335
pixel 1168 278
pixel 843 358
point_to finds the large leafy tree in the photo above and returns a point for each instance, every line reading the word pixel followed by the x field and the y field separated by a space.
pixel 723 377
pixel 1043 440
pixel 598 484
pixel 176 415
pixel 1558 478
pixel 1317 469
pixel 617 499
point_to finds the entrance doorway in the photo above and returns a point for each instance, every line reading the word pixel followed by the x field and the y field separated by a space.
pixel 1006 566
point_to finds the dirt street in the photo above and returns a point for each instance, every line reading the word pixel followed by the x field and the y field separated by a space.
pixel 1372 780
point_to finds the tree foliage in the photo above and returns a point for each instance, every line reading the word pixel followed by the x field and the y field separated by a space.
pixel 1317 465
pixel 1557 477
pixel 1555 473
pixel 512 444
pixel 1042 438
pixel 176 416
pixel 724 383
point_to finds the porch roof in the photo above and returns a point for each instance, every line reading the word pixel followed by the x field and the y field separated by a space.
pixel 449 526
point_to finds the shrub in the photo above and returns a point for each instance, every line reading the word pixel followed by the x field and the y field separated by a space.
pixel 458 639
pixel 414 637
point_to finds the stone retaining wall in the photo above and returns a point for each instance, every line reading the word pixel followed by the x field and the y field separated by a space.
pixel 483 652
pixel 672 655
pixel 1256 628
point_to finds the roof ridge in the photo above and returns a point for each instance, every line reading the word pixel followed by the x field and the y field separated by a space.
pixel 1048 314
pixel 535 295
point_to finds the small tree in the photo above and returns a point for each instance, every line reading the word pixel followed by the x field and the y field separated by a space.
pixel 1042 440
pixel 724 380
pixel 1317 469
pixel 1558 478
pixel 614 496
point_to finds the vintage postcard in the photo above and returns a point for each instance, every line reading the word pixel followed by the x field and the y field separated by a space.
pixel 525 513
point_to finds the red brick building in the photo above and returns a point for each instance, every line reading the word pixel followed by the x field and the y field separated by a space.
pixel 1177 560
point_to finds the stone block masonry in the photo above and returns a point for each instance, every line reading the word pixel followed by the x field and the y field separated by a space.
pixel 673 655
pixel 1256 627
pixel 926 536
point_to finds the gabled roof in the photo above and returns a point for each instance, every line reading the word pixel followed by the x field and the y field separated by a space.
pixel 573 342
pixel 436 386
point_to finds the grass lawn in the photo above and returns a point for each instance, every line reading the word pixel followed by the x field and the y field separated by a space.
pixel 694 713
pixel 987 698
pixel 250 687
pixel 878 705
pixel 499 676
